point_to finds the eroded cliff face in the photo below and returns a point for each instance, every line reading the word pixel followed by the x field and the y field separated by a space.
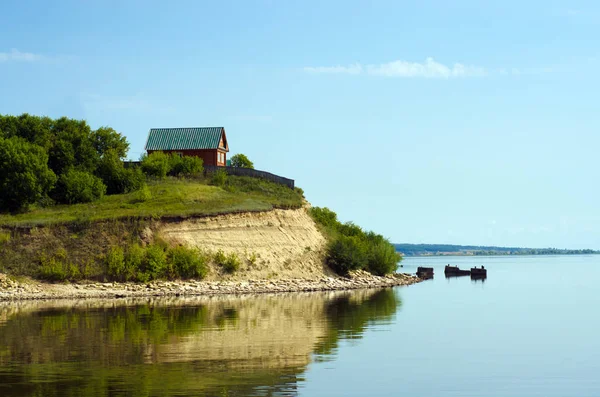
pixel 273 244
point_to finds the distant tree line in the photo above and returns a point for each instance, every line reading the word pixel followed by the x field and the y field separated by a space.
pixel 447 249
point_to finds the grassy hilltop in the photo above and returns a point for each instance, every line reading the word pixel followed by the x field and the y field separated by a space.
pixel 170 197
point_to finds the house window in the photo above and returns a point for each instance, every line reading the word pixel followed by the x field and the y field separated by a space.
pixel 179 154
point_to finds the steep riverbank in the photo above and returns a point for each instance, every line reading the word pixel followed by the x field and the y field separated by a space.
pixel 278 250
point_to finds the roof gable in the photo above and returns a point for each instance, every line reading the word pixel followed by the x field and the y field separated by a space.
pixel 185 138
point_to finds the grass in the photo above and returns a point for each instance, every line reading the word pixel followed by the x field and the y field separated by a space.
pixel 166 198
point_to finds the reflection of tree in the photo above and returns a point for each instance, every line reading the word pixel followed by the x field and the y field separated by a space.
pixel 183 349
pixel 349 317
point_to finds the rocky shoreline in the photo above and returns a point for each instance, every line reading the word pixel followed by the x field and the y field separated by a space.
pixel 15 289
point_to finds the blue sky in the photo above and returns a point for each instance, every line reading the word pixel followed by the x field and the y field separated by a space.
pixel 467 122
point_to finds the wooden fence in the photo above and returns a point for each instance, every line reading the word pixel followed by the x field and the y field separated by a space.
pixel 238 171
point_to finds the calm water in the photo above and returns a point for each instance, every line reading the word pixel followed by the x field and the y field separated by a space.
pixel 531 329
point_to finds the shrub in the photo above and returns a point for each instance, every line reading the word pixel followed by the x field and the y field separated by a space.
pixel 351 248
pixel 219 258
pixel 240 160
pixel 134 262
pixel 382 258
pixel 324 217
pixel 346 253
pixel 219 178
pixel 155 262
pixel 232 263
pixel 188 262
pixel 142 195
pixel 156 164
pixel 78 187
pixel 54 268
pixel 116 177
pixel 252 259
pixel 187 165
pixel 115 263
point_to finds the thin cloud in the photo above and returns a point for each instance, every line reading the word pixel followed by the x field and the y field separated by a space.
pixel 430 69
pixel 351 69
pixel 15 55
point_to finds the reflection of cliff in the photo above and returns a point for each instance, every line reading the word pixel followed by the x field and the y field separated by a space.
pixel 195 346
pixel 264 331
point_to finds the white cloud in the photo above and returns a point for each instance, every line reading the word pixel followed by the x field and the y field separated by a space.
pixel 18 56
pixel 351 69
pixel 430 69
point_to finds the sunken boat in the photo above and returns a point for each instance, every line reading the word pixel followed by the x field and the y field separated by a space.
pixel 425 272
pixel 454 271
pixel 478 272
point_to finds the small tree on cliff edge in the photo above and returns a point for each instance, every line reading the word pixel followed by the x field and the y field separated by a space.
pixel 240 160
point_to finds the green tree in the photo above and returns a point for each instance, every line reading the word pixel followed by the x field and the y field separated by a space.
pixel 33 129
pixel 106 139
pixel 240 160
pixel 73 146
pixel 24 173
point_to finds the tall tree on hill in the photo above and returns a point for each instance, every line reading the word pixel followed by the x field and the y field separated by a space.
pixel 25 176
pixel 240 160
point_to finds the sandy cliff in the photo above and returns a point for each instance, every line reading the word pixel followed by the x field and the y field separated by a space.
pixel 284 243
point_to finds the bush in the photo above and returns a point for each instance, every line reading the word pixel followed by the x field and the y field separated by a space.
pixel 52 269
pixel 25 176
pixel 232 263
pixel 186 166
pixel 134 262
pixel 351 248
pixel 78 187
pixel 142 195
pixel 219 178
pixel 383 258
pixel 240 160
pixel 115 264
pixel 55 268
pixel 346 253
pixel 187 262
pixel 219 258
pixel 116 177
pixel 155 262
pixel 156 164
pixel 324 217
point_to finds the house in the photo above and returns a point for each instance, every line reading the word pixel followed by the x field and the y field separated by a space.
pixel 208 143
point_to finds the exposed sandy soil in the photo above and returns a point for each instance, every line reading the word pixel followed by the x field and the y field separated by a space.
pixel 284 243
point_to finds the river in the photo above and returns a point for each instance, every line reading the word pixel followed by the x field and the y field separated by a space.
pixel 529 329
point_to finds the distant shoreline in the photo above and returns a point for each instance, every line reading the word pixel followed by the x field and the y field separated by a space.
pixel 496 254
pixel 474 250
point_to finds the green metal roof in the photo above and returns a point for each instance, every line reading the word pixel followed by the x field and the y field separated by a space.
pixel 184 138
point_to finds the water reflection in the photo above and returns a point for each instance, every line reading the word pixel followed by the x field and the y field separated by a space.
pixel 250 345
